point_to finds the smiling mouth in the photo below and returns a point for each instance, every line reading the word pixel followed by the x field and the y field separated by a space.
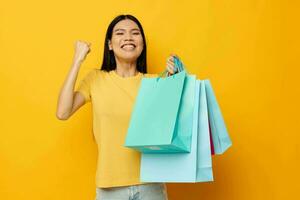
pixel 128 46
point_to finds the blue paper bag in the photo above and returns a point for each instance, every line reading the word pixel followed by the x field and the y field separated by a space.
pixel 220 138
pixel 161 121
pixel 195 166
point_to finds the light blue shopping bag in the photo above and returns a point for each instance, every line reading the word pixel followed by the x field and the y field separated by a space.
pixel 195 166
pixel 161 120
pixel 220 137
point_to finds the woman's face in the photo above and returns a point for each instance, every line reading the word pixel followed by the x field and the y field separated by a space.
pixel 126 41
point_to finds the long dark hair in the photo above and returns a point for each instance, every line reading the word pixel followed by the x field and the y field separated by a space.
pixel 109 61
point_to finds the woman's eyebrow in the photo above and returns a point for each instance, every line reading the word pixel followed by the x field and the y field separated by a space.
pixel 121 29
pixel 135 29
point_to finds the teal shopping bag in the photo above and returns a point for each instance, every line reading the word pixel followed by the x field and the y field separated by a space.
pixel 161 120
pixel 220 137
pixel 195 166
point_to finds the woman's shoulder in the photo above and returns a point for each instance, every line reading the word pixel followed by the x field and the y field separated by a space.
pixel 150 75
pixel 99 72
pixel 94 74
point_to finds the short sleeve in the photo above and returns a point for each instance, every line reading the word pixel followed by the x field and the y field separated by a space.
pixel 85 84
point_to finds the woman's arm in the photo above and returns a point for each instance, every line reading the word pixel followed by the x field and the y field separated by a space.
pixel 68 100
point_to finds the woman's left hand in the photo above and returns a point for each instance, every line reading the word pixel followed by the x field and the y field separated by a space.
pixel 170 64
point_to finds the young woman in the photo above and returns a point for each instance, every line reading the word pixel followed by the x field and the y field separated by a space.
pixel 112 91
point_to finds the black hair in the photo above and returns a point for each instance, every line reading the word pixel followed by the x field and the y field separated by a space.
pixel 109 61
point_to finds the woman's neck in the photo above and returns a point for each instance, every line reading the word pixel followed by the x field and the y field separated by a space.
pixel 126 69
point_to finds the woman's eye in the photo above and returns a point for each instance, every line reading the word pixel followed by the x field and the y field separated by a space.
pixel 135 33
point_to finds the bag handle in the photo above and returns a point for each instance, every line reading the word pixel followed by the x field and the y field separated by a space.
pixel 178 66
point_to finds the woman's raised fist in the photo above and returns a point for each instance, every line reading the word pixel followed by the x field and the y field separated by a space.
pixel 81 50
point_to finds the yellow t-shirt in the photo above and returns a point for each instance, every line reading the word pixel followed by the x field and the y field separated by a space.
pixel 112 98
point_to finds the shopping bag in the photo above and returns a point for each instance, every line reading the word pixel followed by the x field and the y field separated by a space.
pixel 195 166
pixel 161 120
pixel 220 137
pixel 211 142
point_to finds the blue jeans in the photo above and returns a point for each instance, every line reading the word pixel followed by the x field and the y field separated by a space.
pixel 149 191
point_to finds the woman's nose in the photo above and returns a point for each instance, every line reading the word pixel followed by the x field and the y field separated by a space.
pixel 128 36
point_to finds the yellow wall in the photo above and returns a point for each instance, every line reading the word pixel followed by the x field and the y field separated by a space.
pixel 247 48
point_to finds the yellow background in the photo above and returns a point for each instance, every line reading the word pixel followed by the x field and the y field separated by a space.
pixel 249 49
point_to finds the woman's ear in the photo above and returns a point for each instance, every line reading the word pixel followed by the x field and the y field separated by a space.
pixel 109 45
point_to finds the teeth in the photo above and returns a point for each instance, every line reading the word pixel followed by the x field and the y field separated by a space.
pixel 128 46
